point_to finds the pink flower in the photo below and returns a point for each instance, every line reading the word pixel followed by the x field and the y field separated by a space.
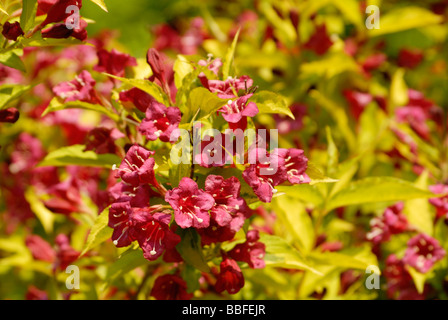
pixel 82 88
pixel 265 174
pixel 152 231
pixel 119 220
pixel 190 204
pixel 295 164
pixel 213 152
pixel 416 117
pixel 393 221
pixel 235 110
pixel 423 252
pixel 229 88
pixel 230 277
pixel 252 251
pixel 400 285
pixel 440 203
pixel 137 167
pixel 170 287
pixel 114 62
pixel 374 61
pixel 160 122
pixel 357 101
pixel 34 293
pixel 228 203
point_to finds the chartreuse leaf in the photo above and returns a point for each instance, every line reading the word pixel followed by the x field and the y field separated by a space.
pixel 145 85
pixel 418 211
pixel 128 261
pixel 29 8
pixel 203 100
pixel 304 192
pixel 376 189
pixel 271 102
pixel 405 18
pixel 398 89
pixel 57 104
pixel 281 254
pixel 182 67
pixel 3 8
pixel 101 4
pixel 75 155
pixel 189 249
pixel 229 57
pixel 45 216
pixel 316 175
pixel 418 278
pixel 293 215
pixel 11 58
pixel 11 92
pixel 99 233
pixel 177 172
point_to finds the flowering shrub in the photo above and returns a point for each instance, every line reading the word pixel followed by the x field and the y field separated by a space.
pixel 254 151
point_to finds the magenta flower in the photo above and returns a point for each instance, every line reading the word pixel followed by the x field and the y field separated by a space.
pixel 82 88
pixel 295 164
pixel 57 10
pixel 423 252
pixel 190 204
pixel 235 110
pixel 252 251
pixel 213 152
pixel 114 62
pixel 160 122
pixel 357 101
pixel 102 140
pixel 440 203
pixel 319 42
pixel 40 249
pixel 228 202
pixel 65 253
pixel 215 233
pixel 230 277
pixel 137 167
pixel 265 174
pixel 400 285
pixel 229 88
pixel 120 220
pixel 409 58
pixel 60 31
pixel 152 231
pixel 170 287
pixel 139 98
pixel 393 221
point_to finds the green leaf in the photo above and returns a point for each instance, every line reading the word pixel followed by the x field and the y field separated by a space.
pixel 11 59
pixel 182 67
pixel 338 259
pixel 293 215
pixel 418 211
pixel 405 18
pixel 398 89
pixel 418 278
pixel 204 100
pixel 280 254
pixel 99 233
pixel 332 151
pixel 29 9
pixel 376 189
pixel 11 92
pixel 271 102
pixel 177 172
pixel 45 216
pixel 147 86
pixel 190 249
pixel 56 104
pixel 229 57
pixel 304 192
pixel 316 175
pixel 75 155
pixel 101 4
pixel 127 262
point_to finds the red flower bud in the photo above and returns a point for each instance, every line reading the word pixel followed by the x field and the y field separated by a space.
pixel 12 30
pixel 10 115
